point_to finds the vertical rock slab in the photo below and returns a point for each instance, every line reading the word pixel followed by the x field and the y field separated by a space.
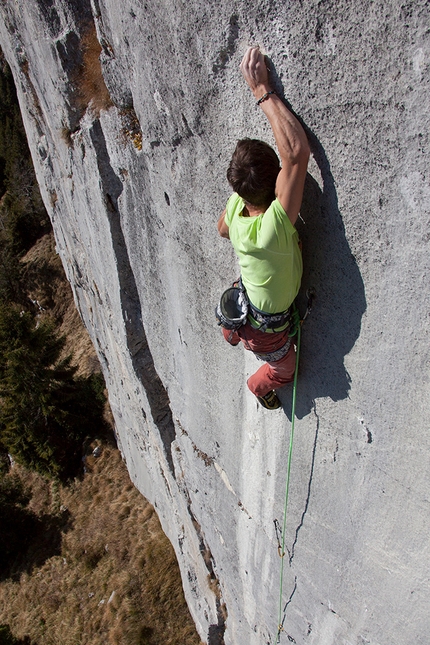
pixel 132 111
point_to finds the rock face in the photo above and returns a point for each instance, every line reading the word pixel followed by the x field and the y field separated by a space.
pixel 131 158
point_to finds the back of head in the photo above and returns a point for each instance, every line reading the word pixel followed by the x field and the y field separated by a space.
pixel 253 170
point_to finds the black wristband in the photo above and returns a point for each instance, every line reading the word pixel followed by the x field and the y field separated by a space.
pixel 265 96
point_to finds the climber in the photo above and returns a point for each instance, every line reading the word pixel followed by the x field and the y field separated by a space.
pixel 259 220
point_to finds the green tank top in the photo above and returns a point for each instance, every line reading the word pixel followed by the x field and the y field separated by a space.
pixel 268 252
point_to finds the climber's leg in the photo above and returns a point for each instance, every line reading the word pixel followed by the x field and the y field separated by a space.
pixel 272 376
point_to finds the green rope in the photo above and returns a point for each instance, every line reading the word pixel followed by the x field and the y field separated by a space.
pixel 287 485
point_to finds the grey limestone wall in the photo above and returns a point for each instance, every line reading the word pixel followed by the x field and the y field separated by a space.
pixel 134 186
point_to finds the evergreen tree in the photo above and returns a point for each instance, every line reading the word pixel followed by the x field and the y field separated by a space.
pixel 11 271
pixel 45 411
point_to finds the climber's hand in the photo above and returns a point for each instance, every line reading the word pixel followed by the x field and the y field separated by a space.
pixel 254 71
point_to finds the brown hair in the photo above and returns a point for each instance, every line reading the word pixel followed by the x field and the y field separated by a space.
pixel 253 170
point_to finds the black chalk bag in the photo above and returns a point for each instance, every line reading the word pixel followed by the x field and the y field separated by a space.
pixel 232 310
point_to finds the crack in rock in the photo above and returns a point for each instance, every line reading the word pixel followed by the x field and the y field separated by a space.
pixel 142 360
pixel 311 474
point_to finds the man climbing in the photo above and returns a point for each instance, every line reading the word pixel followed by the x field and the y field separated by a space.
pixel 259 220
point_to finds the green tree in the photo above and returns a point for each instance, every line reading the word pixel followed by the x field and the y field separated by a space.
pixel 11 271
pixel 46 411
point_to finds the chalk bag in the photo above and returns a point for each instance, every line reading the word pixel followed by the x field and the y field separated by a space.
pixel 232 310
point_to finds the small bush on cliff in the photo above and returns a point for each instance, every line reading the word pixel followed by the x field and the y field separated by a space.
pixel 45 410
pixel 89 79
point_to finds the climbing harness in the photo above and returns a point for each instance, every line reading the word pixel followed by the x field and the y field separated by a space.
pixel 263 321
pixel 294 324
pixel 272 357
pixel 269 322
pixel 280 532
pixel 235 308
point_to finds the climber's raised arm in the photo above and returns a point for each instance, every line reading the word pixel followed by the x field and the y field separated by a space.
pixel 289 135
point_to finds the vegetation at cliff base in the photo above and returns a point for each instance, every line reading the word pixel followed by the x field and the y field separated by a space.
pixel 110 579
pixel 46 411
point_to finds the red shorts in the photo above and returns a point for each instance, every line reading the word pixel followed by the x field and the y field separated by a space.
pixel 269 376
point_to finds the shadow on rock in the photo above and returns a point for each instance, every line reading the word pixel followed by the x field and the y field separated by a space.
pixel 137 343
pixel 333 327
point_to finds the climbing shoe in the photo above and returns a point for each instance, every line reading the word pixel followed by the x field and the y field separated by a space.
pixel 270 401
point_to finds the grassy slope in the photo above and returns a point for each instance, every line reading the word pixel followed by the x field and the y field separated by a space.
pixel 115 579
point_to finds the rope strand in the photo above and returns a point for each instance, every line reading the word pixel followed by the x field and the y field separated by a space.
pixel 281 547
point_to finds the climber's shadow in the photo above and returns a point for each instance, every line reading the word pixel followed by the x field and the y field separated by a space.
pixel 334 325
